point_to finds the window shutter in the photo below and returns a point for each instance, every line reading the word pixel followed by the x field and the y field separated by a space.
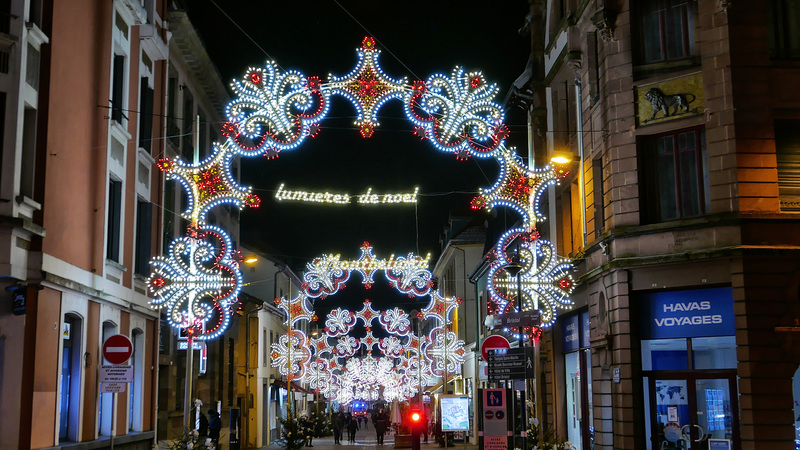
pixel 144 234
pixel 145 115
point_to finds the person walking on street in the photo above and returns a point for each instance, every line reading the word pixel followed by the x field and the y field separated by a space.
pixel 352 427
pixel 380 426
pixel 202 428
pixel 338 427
pixel 214 426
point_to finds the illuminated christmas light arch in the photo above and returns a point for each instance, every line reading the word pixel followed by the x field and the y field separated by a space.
pixel 276 111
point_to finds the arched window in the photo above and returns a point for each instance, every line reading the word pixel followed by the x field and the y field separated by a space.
pixel 69 387
pixel 135 395
pixel 105 412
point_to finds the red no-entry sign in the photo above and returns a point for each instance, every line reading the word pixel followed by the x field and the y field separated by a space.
pixel 117 349
pixel 492 342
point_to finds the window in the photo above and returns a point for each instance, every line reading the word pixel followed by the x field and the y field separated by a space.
pixel 187 143
pixel 32 67
pixel 145 115
pixel 599 203
pixel 118 89
pixel 144 226
pixel 783 25
pixel 675 175
pixel 787 145
pixel 666 30
pixel 114 219
pixel 28 169
pixel 5 16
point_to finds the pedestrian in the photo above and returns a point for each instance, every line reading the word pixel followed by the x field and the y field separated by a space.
pixel 214 426
pixel 380 426
pixel 338 427
pixel 311 429
pixel 352 427
pixel 202 427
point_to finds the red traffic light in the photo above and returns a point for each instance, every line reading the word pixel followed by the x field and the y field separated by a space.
pixel 415 416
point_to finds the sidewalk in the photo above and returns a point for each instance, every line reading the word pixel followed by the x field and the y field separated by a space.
pixel 366 440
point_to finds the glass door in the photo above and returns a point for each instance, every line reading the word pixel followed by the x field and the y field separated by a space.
pixel 688 411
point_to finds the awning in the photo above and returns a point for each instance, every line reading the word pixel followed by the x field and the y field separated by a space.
pixel 295 387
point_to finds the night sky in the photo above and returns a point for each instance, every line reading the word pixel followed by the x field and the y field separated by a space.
pixel 416 39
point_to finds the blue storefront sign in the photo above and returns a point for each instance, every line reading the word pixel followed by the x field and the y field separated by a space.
pixel 682 314
pixel 571 333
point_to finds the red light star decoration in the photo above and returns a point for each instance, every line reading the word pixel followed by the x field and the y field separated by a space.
pixel 367 87
pixel 519 187
pixel 209 183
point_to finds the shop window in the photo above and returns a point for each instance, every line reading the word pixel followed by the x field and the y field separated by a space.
pixel 783 29
pixel 666 30
pixel 578 380
pixel 70 381
pixel 675 180
pixel 714 353
pixel 787 146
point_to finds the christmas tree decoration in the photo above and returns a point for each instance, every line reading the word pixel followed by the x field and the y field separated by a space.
pixel 518 187
pixel 367 87
pixel 208 184
pixel 457 114
pixel 273 111
pixel 198 282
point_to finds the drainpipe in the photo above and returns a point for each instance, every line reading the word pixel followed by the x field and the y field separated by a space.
pixel 581 180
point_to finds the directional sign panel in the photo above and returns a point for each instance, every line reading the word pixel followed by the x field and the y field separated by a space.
pixel 511 364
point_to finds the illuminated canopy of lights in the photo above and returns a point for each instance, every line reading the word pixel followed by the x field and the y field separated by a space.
pixel 406 363
pixel 275 110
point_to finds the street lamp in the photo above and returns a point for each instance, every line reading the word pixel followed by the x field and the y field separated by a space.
pixel 514 268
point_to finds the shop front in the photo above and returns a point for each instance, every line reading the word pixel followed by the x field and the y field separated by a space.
pixel 689 369
pixel 578 382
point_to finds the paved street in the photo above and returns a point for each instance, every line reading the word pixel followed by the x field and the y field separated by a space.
pixel 365 439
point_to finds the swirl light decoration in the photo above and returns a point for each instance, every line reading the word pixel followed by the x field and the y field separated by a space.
pixel 198 281
pixel 275 110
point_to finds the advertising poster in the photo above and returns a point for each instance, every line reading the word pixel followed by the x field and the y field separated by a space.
pixel 455 413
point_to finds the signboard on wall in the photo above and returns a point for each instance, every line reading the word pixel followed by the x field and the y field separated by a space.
pixel 682 314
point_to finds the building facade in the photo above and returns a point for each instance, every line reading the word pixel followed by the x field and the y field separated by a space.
pixel 81 131
pixel 681 219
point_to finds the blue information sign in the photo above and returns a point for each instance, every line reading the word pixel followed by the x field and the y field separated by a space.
pixel 585 329
pixel 682 314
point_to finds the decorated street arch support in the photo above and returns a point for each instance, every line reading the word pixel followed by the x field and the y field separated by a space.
pixel 199 279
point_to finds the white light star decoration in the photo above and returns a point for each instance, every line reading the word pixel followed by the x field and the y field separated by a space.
pixel 274 110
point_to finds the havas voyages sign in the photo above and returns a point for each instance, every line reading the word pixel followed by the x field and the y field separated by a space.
pixel 682 314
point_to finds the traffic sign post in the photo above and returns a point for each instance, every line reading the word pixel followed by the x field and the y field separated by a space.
pixel 117 350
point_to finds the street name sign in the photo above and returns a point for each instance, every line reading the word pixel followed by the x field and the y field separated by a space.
pixel 514 320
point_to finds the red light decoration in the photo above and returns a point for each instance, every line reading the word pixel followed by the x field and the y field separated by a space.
pixel 255 77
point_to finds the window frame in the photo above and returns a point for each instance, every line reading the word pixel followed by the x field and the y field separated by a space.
pixel 689 54
pixel 651 189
